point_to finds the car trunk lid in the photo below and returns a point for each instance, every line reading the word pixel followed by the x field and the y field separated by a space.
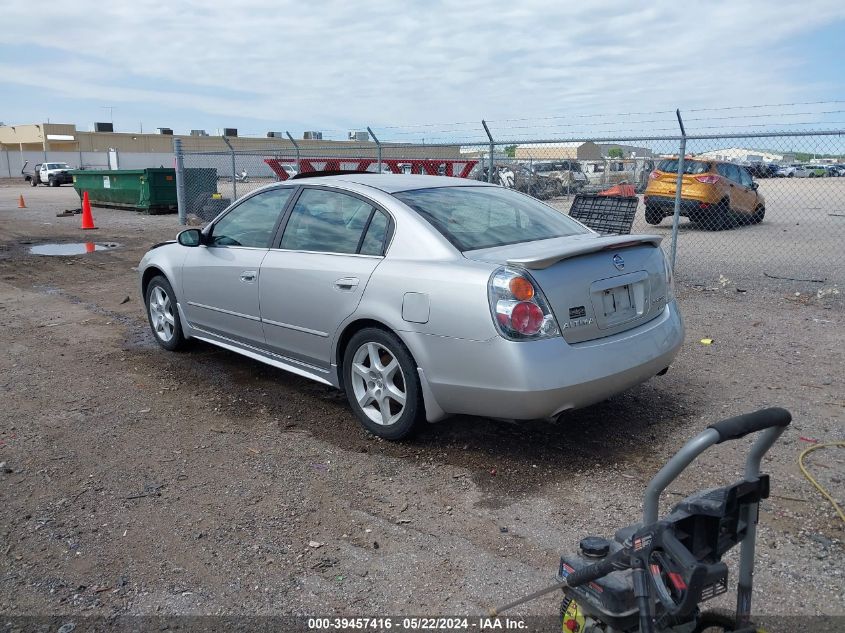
pixel 596 286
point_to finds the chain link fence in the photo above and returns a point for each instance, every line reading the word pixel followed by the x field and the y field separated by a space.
pixel 754 209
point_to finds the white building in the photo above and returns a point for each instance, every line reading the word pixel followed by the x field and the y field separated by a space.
pixel 743 155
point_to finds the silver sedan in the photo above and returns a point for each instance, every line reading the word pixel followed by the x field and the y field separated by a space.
pixel 421 297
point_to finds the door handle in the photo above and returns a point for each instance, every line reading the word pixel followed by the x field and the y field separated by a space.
pixel 248 276
pixel 346 283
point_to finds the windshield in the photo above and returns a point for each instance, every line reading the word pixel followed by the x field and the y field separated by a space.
pixel 690 166
pixel 57 166
pixel 472 218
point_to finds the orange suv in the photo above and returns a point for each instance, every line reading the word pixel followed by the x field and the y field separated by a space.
pixel 714 194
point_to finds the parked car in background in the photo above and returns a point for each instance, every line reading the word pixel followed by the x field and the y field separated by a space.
pixel 786 171
pixel 605 173
pixel 549 179
pixel 810 171
pixel 52 174
pixel 762 169
pixel 836 170
pixel 717 195
pixel 420 297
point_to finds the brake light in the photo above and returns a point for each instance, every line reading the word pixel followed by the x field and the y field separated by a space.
pixel 708 179
pixel 654 175
pixel 519 309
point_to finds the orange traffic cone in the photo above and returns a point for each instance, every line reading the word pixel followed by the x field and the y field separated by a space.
pixel 87 218
pixel 21 203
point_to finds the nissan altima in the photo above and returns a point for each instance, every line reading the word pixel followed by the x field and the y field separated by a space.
pixel 420 297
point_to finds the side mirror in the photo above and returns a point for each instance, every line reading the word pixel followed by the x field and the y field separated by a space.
pixel 190 237
pixel 755 185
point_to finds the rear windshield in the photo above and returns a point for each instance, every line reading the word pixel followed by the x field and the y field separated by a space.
pixel 483 217
pixel 670 165
pixel 565 166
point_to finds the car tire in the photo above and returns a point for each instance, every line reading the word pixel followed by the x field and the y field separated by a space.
pixel 33 182
pixel 163 315
pixel 373 382
pixel 52 182
pixel 759 214
pixel 653 216
pixel 717 217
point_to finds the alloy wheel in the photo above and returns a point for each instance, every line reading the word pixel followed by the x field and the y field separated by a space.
pixel 378 383
pixel 161 314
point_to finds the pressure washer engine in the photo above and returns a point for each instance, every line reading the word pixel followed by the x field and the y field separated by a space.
pixel 653 575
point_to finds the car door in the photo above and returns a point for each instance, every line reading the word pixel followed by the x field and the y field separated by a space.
pixel 748 195
pixel 221 278
pixel 331 243
pixel 731 172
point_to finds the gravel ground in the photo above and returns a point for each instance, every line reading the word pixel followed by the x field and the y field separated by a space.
pixel 137 481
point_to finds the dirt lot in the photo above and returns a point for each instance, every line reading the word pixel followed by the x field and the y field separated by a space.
pixel 137 481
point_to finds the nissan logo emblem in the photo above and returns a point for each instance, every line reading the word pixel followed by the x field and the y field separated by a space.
pixel 618 262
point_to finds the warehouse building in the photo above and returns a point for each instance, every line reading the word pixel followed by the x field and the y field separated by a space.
pixel 62 142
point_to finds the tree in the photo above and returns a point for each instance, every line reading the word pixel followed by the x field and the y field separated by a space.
pixel 510 150
pixel 615 152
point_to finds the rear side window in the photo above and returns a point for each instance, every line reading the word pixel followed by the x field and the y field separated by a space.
pixel 483 217
pixel 373 243
pixel 670 166
pixel 329 222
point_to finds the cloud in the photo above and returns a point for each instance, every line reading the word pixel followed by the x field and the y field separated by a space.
pixel 386 63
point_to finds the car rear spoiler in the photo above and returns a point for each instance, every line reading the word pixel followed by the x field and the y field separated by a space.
pixel 555 253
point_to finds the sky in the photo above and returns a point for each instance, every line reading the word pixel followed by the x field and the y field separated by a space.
pixel 424 70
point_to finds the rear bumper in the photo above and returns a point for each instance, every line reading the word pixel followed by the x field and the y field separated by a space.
pixel 666 204
pixel 540 379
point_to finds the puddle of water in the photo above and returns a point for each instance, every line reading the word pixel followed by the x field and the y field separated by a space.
pixel 77 248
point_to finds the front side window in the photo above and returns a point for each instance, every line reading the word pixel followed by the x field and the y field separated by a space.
pixel 251 223
pixel 745 177
pixel 483 217
pixel 327 222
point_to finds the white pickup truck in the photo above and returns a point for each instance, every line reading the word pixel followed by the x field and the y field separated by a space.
pixel 53 174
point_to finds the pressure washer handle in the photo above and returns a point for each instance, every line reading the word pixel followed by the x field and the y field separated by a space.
pixel 773 421
pixel 741 425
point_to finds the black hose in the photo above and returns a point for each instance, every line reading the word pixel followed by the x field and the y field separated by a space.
pixel 641 593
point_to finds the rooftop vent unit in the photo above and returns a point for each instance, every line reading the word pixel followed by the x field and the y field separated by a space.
pixel 230 131
pixel 359 136
pixel 199 133
pixel 275 135
pixel 104 127
pixel 313 135
pixel 165 130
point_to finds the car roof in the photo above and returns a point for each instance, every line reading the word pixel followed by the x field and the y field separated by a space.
pixel 394 183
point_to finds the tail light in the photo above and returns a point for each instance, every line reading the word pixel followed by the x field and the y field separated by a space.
pixel 653 175
pixel 708 179
pixel 519 309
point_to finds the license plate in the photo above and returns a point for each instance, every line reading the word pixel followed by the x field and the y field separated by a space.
pixel 617 300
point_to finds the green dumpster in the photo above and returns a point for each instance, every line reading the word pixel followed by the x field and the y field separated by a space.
pixel 150 190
